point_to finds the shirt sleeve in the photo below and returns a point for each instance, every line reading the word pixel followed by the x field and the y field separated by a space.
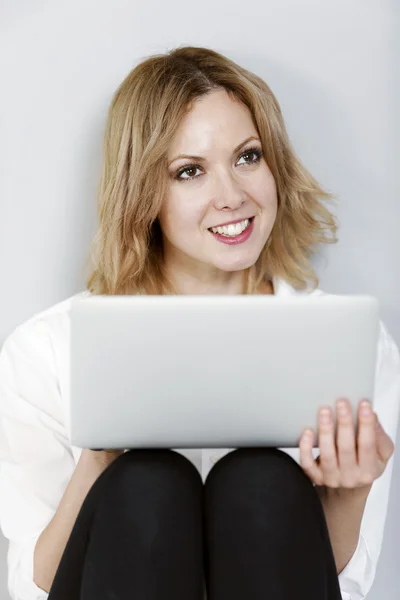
pixel 36 459
pixel 357 577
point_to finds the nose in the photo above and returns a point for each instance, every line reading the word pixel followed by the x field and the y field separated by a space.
pixel 228 194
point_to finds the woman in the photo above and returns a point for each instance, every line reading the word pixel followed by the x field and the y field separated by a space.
pixel 201 193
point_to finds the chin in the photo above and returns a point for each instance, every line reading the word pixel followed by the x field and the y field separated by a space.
pixel 237 258
pixel 240 264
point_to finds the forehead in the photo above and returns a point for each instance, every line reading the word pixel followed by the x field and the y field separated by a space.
pixel 214 119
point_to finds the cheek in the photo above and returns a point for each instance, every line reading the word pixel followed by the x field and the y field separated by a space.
pixel 182 213
pixel 265 193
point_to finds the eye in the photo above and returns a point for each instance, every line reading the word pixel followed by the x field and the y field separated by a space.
pixel 256 152
pixel 187 169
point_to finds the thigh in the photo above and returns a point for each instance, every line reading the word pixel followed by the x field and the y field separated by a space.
pixel 138 534
pixel 265 530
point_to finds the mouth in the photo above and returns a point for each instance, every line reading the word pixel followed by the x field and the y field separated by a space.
pixel 234 233
pixel 232 230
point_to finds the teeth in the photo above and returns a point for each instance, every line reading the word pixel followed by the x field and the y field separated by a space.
pixel 232 230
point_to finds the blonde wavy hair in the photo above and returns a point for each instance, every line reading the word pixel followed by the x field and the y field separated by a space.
pixel 145 112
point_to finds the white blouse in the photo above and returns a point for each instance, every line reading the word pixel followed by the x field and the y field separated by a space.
pixel 37 459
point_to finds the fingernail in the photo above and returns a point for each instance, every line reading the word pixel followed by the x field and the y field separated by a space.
pixel 325 415
pixel 342 408
pixel 366 408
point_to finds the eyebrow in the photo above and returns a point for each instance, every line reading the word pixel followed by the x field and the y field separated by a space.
pixel 202 159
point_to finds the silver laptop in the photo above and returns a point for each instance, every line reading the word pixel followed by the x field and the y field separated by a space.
pixel 215 371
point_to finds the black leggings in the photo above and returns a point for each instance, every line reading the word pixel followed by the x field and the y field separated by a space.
pixel 150 530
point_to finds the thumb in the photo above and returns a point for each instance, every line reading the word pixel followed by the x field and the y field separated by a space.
pixel 384 444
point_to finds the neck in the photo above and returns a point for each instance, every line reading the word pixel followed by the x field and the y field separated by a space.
pixel 190 284
pixel 191 277
pixel 219 283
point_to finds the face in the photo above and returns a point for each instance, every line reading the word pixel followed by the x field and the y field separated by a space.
pixel 221 203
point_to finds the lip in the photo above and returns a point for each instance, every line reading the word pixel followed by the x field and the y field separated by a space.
pixel 238 239
pixel 231 222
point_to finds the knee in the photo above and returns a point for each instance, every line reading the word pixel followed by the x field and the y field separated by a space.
pixel 160 476
pixel 270 471
pixel 165 468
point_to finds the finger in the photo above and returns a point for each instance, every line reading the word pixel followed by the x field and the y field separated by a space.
pixel 307 462
pixel 327 446
pixel 367 446
pixel 384 444
pixel 346 443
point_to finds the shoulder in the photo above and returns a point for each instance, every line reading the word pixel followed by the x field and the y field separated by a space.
pixel 386 343
pixel 38 336
pixel 387 375
pixel 34 366
pixel 284 289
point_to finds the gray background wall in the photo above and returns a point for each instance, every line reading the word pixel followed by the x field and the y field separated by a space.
pixel 332 65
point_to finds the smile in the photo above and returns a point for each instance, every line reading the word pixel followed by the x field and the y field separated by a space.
pixel 233 229
pixel 234 233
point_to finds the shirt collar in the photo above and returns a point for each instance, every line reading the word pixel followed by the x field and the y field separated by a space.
pixel 281 288
pixel 284 288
